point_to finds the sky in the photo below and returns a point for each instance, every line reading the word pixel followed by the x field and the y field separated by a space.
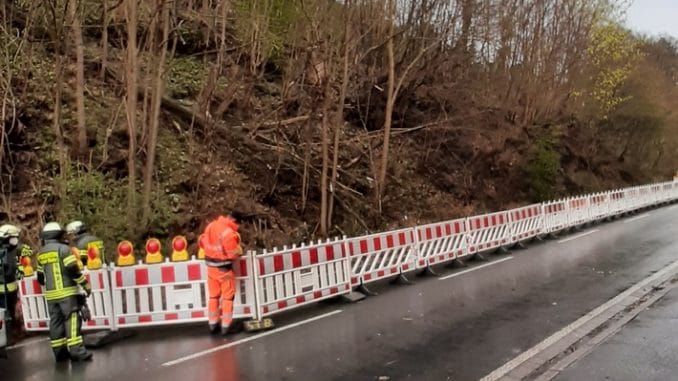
pixel 654 17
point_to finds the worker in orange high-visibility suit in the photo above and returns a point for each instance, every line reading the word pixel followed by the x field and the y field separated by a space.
pixel 221 243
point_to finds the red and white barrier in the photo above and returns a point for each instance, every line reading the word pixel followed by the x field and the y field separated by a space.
pixel 526 222
pixel 279 280
pixel 441 242
pixel 382 255
pixel 556 217
pixel 578 210
pixel 173 293
pixel 488 232
pixel 34 305
pixel 599 206
pixel 292 277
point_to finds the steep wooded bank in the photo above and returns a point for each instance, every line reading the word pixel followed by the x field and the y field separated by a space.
pixel 320 117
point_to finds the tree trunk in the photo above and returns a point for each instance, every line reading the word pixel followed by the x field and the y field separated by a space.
pixel 59 74
pixel 104 41
pixel 325 164
pixel 80 77
pixel 390 101
pixel 131 110
pixel 155 113
pixel 339 121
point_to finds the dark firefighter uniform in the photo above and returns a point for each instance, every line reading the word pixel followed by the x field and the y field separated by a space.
pixel 11 255
pixel 84 241
pixel 59 273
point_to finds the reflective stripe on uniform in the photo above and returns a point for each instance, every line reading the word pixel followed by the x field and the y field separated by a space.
pixel 61 293
pixel 11 287
pixel 74 339
pixel 58 342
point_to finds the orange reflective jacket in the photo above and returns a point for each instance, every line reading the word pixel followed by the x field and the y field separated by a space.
pixel 221 240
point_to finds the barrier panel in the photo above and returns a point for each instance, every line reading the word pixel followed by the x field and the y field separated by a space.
pixel 618 203
pixel 599 206
pixel 381 255
pixel 556 216
pixel 173 293
pixel 290 278
pixel 526 222
pixel 34 305
pixel 578 210
pixel 440 242
pixel 488 232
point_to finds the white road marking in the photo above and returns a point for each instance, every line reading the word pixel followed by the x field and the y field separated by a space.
pixel 247 339
pixel 518 360
pixel 636 218
pixel 475 268
pixel 28 342
pixel 578 236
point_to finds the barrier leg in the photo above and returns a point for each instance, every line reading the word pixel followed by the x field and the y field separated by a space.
pixel 457 263
pixel 428 270
pixel 401 279
pixel 366 291
pixel 502 250
pixel 478 257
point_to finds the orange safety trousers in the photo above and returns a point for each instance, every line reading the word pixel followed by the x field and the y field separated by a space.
pixel 221 287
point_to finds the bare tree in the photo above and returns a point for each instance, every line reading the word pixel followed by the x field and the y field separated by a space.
pixel 158 88
pixel 131 73
pixel 76 33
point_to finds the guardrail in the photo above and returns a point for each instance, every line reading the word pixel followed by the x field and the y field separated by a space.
pixel 273 281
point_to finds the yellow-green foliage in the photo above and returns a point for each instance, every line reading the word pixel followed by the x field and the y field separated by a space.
pixel 612 52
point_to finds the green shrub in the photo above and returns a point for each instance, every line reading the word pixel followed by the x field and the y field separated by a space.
pixel 543 169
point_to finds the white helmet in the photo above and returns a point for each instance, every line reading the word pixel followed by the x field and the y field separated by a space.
pixel 8 230
pixel 75 227
pixel 11 233
pixel 52 230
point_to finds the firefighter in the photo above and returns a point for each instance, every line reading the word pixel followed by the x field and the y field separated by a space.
pixel 84 241
pixel 59 273
pixel 8 271
pixel 12 252
pixel 221 243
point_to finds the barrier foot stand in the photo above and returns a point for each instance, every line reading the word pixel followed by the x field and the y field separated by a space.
pixel 457 263
pixel 538 238
pixel 366 291
pixel 401 279
pixel 502 250
pixel 479 257
pixel 353 297
pixel 102 338
pixel 520 245
pixel 258 325
pixel 428 271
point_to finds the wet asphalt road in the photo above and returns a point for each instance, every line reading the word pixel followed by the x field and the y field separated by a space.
pixel 460 328
pixel 645 349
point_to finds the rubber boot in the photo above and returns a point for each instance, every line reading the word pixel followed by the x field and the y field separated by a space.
pixel 224 330
pixel 62 355
pixel 214 328
pixel 81 355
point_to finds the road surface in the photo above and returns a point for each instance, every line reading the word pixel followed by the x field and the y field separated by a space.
pixel 460 326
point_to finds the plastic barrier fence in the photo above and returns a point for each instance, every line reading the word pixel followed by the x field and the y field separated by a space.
pixel 526 222
pixel 172 293
pixel 488 232
pixel 382 255
pixel 555 216
pixel 293 277
pixel 599 205
pixel 34 305
pixel 441 242
pixel 274 281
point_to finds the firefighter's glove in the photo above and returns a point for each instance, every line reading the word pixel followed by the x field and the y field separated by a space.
pixel 88 289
